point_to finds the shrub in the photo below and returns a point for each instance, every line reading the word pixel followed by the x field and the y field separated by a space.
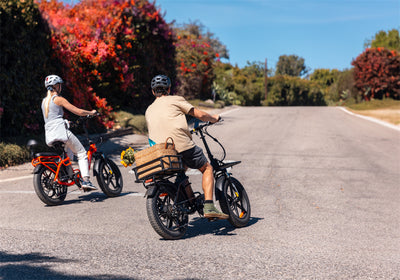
pixel 11 154
pixel 25 60
pixel 293 91
pixel 377 73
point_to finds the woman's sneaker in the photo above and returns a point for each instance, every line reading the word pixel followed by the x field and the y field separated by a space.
pixel 87 186
pixel 211 212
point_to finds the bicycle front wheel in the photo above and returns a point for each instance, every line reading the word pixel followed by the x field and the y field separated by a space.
pixel 109 178
pixel 235 203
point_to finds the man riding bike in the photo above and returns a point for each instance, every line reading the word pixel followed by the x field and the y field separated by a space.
pixel 165 118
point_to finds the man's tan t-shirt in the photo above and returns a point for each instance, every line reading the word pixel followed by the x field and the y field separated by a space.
pixel 165 118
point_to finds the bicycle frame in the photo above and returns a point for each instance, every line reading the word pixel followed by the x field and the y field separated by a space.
pixel 55 162
pixel 218 165
pixel 220 169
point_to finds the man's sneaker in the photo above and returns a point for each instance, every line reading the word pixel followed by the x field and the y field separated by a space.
pixel 87 186
pixel 211 212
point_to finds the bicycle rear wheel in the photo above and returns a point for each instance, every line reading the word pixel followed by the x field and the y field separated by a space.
pixel 48 191
pixel 165 217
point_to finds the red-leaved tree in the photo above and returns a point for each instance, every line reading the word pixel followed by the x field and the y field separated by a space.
pixel 110 49
pixel 195 58
pixel 377 73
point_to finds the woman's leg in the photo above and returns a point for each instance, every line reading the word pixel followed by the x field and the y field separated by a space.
pixel 77 148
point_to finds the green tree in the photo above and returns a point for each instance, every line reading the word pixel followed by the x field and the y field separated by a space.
pixel 255 68
pixel 285 90
pixel 327 80
pixel 324 77
pixel 389 40
pixel 25 60
pixel 343 88
pixel 240 86
pixel 291 65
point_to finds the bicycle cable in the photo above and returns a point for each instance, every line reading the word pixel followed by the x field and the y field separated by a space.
pixel 215 140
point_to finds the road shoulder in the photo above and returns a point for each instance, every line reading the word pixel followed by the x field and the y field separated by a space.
pixel 375 120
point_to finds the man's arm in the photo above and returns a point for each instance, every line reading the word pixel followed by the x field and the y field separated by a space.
pixel 203 116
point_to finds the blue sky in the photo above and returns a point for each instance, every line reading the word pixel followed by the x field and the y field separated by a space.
pixel 327 34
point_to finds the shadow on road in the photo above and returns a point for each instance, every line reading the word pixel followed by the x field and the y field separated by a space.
pixel 37 266
pixel 200 226
pixel 91 197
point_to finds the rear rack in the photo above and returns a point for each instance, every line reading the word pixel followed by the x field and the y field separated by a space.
pixel 159 167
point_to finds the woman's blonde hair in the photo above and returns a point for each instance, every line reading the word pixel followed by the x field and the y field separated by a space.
pixel 47 103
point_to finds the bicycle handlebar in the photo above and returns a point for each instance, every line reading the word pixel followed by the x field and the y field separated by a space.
pixel 89 116
pixel 78 121
pixel 200 127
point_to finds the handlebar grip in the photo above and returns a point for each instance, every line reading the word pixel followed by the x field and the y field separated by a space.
pixel 91 116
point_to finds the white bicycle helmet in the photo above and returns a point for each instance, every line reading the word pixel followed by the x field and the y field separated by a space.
pixel 52 80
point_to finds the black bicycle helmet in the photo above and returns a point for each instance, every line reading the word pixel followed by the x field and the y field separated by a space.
pixel 160 81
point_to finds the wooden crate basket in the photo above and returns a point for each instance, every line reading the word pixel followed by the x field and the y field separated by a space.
pixel 158 160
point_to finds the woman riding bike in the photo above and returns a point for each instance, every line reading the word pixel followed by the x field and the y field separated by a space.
pixel 57 129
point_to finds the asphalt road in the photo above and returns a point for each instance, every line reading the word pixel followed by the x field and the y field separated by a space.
pixel 325 195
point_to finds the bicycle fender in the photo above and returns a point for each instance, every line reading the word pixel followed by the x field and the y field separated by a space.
pixel 96 165
pixel 151 191
pixel 36 169
pixel 219 185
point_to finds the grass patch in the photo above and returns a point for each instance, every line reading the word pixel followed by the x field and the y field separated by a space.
pixel 126 119
pixel 376 104
pixel 387 110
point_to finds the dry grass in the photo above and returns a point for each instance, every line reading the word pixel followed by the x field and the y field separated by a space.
pixel 387 110
pixel 388 115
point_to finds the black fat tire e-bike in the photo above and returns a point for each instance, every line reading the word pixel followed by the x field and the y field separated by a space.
pixel 168 204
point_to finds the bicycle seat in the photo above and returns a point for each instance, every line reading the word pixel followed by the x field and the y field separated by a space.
pixel 58 144
pixel 58 147
pixel 45 154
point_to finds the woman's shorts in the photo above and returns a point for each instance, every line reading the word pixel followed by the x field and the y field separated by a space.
pixel 194 158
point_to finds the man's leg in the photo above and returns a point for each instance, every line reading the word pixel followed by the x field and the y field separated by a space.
pixel 208 186
pixel 207 181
